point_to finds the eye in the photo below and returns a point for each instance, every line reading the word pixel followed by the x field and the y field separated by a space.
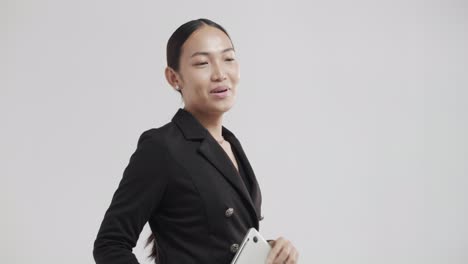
pixel 229 59
pixel 201 63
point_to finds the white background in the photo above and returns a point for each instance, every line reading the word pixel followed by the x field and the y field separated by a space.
pixel 354 115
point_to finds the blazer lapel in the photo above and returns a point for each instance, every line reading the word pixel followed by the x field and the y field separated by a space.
pixel 255 195
pixel 218 157
pixel 215 154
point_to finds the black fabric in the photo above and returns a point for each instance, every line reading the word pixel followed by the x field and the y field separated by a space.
pixel 180 181
pixel 242 173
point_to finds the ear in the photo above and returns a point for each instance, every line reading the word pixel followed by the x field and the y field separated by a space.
pixel 172 77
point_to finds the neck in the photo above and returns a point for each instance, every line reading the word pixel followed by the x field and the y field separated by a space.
pixel 212 122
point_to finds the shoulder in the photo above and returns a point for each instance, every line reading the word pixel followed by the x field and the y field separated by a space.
pixel 158 135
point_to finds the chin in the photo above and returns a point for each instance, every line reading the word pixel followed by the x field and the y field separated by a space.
pixel 222 107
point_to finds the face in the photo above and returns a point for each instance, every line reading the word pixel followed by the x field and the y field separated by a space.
pixel 208 66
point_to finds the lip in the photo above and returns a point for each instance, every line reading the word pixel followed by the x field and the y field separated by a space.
pixel 219 88
pixel 221 95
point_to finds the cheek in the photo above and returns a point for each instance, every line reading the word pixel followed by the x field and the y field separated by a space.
pixel 200 76
pixel 235 74
pixel 199 83
pixel 197 80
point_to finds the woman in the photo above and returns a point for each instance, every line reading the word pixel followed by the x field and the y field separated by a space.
pixel 189 179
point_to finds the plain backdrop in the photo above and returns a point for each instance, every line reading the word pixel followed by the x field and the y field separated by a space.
pixel 354 115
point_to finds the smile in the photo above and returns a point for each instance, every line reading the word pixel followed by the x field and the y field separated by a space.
pixel 221 93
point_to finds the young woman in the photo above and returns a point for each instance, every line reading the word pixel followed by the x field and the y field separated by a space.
pixel 189 179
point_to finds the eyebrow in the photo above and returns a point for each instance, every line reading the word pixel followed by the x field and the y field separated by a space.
pixel 208 53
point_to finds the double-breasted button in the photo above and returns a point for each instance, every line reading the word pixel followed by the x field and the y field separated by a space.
pixel 234 248
pixel 229 212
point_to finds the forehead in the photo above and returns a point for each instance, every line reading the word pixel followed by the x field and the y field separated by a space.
pixel 206 39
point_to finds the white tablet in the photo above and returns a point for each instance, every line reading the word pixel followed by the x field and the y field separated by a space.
pixel 254 249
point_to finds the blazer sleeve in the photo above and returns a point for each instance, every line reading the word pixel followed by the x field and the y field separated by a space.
pixel 137 196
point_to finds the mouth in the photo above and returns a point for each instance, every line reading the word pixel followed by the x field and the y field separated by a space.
pixel 220 89
pixel 220 92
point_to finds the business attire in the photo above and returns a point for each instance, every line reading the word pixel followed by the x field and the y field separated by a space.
pixel 182 182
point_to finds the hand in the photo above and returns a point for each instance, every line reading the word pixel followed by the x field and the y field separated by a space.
pixel 282 252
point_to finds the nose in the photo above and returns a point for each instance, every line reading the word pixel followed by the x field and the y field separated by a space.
pixel 218 73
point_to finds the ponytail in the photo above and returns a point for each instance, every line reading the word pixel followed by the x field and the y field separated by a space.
pixel 154 249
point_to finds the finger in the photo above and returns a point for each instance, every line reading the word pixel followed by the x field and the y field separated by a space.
pixel 296 256
pixel 276 248
pixel 283 247
pixel 293 256
pixel 272 243
pixel 283 254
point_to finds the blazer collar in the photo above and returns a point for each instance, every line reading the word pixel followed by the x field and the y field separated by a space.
pixel 192 129
pixel 189 125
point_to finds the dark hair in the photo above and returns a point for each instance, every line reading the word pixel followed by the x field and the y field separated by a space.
pixel 173 52
pixel 178 38
pixel 154 249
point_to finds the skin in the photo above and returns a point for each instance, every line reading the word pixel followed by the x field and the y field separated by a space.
pixel 283 251
pixel 208 60
pixel 199 74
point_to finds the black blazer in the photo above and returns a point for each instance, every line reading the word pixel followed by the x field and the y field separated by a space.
pixel 181 181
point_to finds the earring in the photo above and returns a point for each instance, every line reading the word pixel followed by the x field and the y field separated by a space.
pixel 177 88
